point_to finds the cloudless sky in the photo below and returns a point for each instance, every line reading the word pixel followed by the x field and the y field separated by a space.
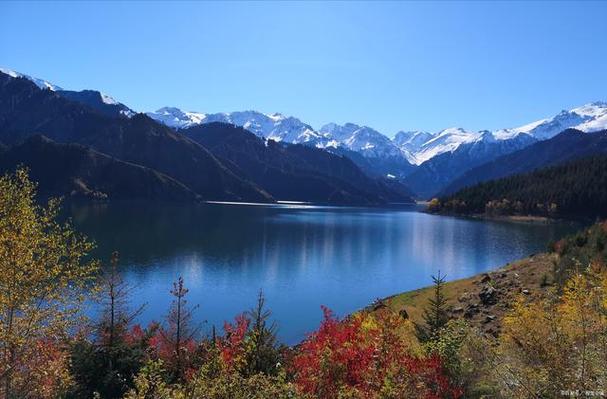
pixel 391 66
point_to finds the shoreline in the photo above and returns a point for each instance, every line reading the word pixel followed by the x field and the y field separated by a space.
pixel 518 218
pixel 526 219
pixel 525 277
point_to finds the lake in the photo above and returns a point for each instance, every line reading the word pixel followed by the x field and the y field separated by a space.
pixel 302 257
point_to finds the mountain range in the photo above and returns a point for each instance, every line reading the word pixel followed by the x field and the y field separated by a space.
pixel 415 146
pixel 102 131
pixel 425 162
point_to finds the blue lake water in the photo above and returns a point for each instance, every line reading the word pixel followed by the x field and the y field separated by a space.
pixel 301 257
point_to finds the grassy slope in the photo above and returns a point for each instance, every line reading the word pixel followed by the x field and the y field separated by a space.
pixel 463 295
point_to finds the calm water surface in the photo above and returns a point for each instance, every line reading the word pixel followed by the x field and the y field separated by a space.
pixel 302 257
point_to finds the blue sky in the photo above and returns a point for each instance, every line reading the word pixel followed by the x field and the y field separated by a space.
pixel 392 66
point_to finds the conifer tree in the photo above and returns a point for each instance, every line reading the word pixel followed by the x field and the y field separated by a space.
pixel 435 314
pixel 117 317
pixel 179 336
pixel 264 354
pixel 108 363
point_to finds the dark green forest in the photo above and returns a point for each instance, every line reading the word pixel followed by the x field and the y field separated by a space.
pixel 574 189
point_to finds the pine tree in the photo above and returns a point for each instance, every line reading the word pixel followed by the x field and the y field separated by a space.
pixel 435 315
pixel 108 364
pixel 264 355
pixel 116 317
pixel 179 336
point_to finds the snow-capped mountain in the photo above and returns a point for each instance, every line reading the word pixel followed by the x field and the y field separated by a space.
pixel 176 118
pixel 452 152
pixel 373 152
pixel 276 126
pixel 339 133
pixel 433 175
pixel 99 101
pixel 362 139
pixel 447 140
pixel 43 84
pixel 93 98
pixel 420 147
pixel 587 118
pixel 412 140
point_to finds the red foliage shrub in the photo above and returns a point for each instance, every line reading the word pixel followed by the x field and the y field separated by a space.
pixel 164 348
pixel 366 357
pixel 135 336
pixel 231 345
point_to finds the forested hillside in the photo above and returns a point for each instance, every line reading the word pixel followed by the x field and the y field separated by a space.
pixel 566 146
pixel 26 110
pixel 574 189
pixel 80 172
pixel 294 172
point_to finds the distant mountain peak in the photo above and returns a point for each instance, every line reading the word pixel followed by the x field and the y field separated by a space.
pixel 95 99
pixel 43 84
pixel 274 126
pixel 176 118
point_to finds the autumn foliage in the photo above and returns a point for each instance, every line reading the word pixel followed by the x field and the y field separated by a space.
pixel 232 346
pixel 366 357
pixel 559 344
pixel 43 270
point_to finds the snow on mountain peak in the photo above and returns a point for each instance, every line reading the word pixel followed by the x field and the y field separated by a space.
pixel 339 133
pixel 276 116
pixel 594 109
pixel 108 100
pixel 274 126
pixel 447 140
pixel 363 139
pixel 176 118
pixel 412 137
pixel 597 111
pixel 43 84
pixel 587 118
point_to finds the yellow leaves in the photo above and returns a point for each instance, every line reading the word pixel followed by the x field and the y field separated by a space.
pixel 434 205
pixel 558 344
pixel 42 272
pixel 368 322
pixel 603 286
pixel 150 383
